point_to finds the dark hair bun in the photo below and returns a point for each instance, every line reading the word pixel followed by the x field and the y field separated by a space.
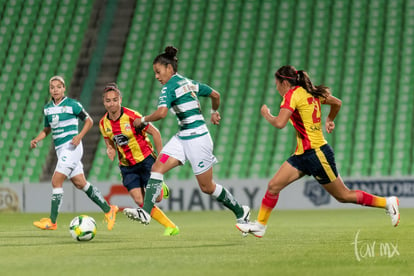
pixel 171 51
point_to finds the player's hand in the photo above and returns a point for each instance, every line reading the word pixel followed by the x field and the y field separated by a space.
pixel 76 140
pixel 33 143
pixel 215 118
pixel 265 111
pixel 138 125
pixel 111 153
pixel 329 125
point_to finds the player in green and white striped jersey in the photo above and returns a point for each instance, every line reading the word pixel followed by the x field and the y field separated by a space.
pixel 192 142
pixel 61 119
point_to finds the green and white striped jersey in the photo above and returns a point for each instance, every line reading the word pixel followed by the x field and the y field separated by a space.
pixel 63 119
pixel 180 95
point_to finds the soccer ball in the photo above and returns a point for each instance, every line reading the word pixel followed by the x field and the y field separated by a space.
pixel 82 228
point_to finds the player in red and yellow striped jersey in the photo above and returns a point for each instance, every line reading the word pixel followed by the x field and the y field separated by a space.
pixel 301 106
pixel 135 151
pixel 132 146
pixel 309 128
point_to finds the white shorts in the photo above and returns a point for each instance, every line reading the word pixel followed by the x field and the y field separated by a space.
pixel 69 159
pixel 198 151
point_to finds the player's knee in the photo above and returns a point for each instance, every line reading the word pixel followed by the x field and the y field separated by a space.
pixel 273 188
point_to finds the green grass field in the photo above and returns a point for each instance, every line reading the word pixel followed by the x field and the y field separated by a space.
pixel 323 242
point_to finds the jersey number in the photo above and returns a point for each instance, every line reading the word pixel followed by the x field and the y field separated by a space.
pixel 316 107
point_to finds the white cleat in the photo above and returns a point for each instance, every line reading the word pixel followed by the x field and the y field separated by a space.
pixel 392 210
pixel 246 215
pixel 138 214
pixel 256 229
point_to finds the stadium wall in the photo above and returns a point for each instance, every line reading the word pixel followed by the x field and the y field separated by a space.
pixel 186 196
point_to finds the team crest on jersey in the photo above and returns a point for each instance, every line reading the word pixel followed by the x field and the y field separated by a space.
pixel 55 121
pixel 127 127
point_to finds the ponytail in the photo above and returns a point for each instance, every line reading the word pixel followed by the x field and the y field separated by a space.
pixel 301 78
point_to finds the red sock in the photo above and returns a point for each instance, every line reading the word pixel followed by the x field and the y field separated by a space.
pixel 270 200
pixel 268 203
pixel 366 199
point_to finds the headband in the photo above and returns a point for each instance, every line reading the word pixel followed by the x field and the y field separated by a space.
pixel 111 88
pixel 286 77
pixel 58 78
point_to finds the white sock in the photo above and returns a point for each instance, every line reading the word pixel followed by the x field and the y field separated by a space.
pixel 86 187
pixel 217 191
pixel 57 191
pixel 157 176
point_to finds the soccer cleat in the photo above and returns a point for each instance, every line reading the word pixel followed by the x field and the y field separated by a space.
pixel 170 231
pixel 246 215
pixel 111 216
pixel 45 224
pixel 254 228
pixel 165 190
pixel 138 214
pixel 392 210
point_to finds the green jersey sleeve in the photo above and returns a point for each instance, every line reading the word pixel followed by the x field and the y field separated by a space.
pixel 203 89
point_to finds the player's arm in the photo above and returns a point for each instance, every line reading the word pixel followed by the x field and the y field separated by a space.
pixel 279 121
pixel 42 135
pixel 335 104
pixel 86 127
pixel 158 114
pixel 215 103
pixel 156 135
pixel 110 149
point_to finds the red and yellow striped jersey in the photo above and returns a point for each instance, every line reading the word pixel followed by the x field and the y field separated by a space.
pixel 306 118
pixel 132 147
